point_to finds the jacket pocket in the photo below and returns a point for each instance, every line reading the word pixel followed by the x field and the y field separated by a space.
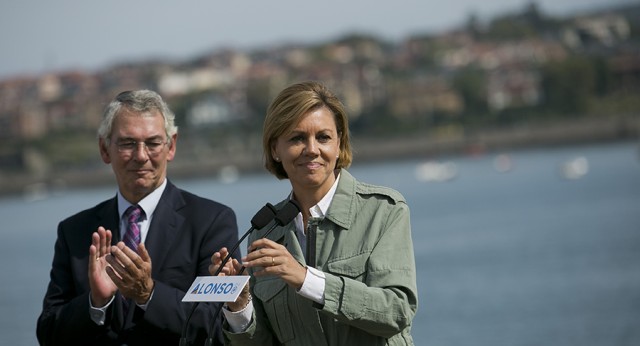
pixel 272 293
pixel 353 266
pixel 353 301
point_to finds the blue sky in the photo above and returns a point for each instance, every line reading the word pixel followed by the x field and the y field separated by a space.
pixel 39 36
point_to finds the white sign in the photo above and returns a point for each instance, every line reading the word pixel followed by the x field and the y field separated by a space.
pixel 215 288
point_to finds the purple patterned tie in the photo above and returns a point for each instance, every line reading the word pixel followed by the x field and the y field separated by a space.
pixel 132 235
pixel 131 238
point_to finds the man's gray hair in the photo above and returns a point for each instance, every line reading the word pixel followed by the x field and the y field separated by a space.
pixel 138 101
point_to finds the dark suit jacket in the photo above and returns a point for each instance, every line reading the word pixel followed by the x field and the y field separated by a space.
pixel 183 234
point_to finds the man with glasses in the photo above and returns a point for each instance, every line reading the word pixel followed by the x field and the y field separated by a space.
pixel 121 268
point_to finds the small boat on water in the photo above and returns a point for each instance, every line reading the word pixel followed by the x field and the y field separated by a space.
pixel 575 168
pixel 503 163
pixel 435 171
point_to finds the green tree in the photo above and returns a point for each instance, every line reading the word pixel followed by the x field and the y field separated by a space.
pixel 470 83
pixel 569 85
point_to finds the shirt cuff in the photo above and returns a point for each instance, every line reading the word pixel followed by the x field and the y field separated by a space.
pixel 144 306
pixel 239 320
pixel 98 315
pixel 313 285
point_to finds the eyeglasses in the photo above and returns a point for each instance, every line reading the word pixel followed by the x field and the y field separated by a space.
pixel 152 148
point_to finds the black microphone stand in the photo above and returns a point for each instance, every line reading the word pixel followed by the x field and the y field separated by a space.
pixel 259 220
pixel 283 217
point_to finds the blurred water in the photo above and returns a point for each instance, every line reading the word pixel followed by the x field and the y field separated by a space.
pixel 522 257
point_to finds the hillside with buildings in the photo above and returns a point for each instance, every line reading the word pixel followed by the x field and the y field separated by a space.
pixel 521 79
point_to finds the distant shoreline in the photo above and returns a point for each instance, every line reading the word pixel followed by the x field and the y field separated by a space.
pixel 366 149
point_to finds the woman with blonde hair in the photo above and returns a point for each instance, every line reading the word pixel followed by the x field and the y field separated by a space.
pixel 343 273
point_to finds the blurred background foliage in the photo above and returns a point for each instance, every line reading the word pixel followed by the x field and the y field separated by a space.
pixel 523 71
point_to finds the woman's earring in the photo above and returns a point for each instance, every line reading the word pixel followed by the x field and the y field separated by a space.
pixel 277 159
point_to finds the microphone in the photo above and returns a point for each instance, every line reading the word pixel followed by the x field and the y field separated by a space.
pixel 285 215
pixel 259 220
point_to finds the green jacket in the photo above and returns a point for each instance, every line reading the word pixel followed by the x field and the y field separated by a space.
pixel 364 247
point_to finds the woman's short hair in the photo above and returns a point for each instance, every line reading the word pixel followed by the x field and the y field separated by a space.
pixel 139 101
pixel 286 111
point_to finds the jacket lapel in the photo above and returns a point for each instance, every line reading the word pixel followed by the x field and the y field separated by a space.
pixel 109 218
pixel 292 243
pixel 165 226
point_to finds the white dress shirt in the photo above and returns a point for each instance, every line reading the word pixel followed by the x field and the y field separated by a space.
pixel 148 205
